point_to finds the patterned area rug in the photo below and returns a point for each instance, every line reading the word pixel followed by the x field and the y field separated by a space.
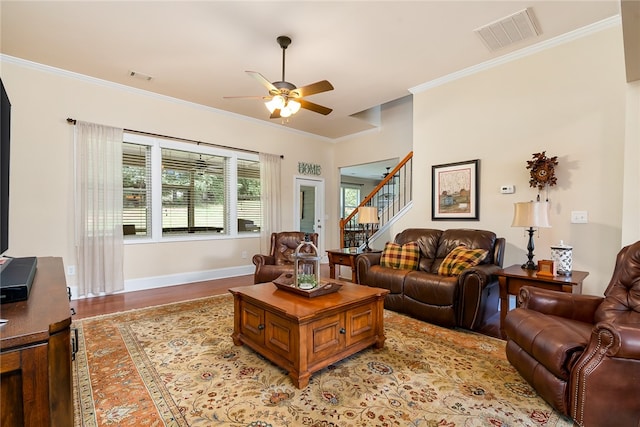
pixel 176 365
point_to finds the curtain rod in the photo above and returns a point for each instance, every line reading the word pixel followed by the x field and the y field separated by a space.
pixel 73 122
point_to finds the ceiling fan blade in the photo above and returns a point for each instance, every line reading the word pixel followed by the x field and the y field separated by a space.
pixel 314 107
pixel 275 114
pixel 313 88
pixel 263 81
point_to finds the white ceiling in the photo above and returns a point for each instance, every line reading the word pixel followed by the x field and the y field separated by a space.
pixel 372 52
pixel 374 171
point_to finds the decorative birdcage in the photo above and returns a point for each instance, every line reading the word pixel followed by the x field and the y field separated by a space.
pixel 306 266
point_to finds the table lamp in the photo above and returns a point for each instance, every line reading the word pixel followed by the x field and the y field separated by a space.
pixel 531 215
pixel 367 215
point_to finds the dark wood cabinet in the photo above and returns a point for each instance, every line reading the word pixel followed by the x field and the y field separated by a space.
pixel 36 386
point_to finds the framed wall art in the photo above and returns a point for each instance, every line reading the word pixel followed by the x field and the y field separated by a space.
pixel 455 191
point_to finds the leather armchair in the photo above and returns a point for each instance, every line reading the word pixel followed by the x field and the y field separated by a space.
pixel 581 353
pixel 280 259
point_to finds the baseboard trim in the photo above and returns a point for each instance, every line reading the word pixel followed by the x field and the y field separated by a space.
pixel 157 282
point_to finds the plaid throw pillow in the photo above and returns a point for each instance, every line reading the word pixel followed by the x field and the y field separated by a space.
pixel 400 257
pixel 460 259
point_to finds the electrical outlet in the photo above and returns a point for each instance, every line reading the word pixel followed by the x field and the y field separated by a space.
pixel 244 254
pixel 579 217
pixel 71 270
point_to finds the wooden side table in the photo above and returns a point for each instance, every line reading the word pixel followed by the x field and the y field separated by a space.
pixel 513 278
pixel 344 257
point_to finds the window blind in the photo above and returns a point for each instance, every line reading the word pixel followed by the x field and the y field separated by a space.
pixel 194 193
pixel 136 183
pixel 249 209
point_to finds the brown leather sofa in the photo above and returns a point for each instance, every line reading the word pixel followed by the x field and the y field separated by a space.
pixel 280 259
pixel 581 353
pixel 467 300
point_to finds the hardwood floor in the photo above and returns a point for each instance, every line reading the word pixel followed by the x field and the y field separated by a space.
pixel 89 307
pixel 95 306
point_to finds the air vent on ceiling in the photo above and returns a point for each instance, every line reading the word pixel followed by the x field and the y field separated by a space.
pixel 508 30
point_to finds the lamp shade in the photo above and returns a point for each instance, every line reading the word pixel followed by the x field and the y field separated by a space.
pixel 531 214
pixel 367 215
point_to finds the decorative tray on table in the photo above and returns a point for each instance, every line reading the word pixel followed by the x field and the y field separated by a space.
pixel 286 282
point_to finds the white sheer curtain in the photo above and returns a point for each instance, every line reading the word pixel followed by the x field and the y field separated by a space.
pixel 270 198
pixel 98 182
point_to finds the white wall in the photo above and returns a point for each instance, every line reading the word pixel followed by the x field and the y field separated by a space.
pixel 392 139
pixel 631 195
pixel 41 217
pixel 568 100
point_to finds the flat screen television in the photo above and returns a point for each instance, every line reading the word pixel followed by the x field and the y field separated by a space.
pixel 5 131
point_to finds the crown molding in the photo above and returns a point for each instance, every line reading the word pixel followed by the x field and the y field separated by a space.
pixel 538 47
pixel 547 44
pixel 118 86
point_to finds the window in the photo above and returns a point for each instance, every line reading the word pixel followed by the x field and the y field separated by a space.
pixel 194 187
pixel 180 190
pixel 249 206
pixel 136 184
pixel 349 199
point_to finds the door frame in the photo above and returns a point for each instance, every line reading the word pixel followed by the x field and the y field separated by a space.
pixel 318 184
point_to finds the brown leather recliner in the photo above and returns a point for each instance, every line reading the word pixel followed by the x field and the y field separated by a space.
pixel 280 259
pixel 581 353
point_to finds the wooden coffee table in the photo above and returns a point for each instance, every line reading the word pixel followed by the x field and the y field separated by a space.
pixel 304 335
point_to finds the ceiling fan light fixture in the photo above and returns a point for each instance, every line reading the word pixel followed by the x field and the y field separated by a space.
pixel 290 108
pixel 276 103
pixel 293 105
pixel 286 112
pixel 286 98
pixel 279 101
pixel 270 106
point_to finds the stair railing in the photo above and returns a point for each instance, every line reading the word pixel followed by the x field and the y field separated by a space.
pixel 390 196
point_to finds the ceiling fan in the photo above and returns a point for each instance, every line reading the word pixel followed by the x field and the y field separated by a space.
pixel 384 175
pixel 285 99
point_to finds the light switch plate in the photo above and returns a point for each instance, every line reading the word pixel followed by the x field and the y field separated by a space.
pixel 579 217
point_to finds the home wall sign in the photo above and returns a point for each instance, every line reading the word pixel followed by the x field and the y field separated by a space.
pixel 309 169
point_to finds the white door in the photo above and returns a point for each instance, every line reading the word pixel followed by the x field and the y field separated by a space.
pixel 308 214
